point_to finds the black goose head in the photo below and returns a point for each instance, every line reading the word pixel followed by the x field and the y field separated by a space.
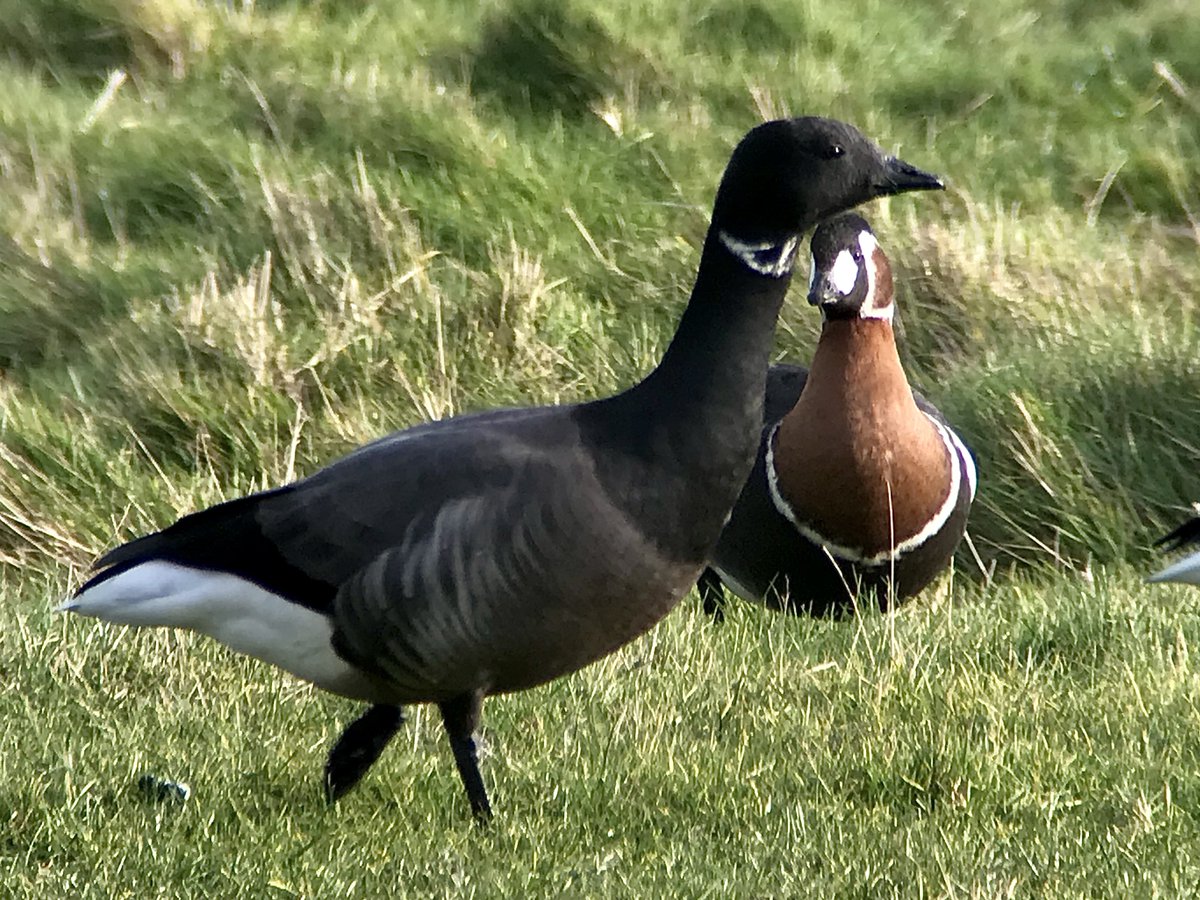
pixel 786 176
pixel 851 276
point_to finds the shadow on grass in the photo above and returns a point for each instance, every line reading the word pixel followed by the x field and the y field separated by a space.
pixel 753 26
pixel 1088 467
pixel 44 309
pixel 76 38
pixel 539 58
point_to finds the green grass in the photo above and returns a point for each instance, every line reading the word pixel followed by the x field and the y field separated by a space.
pixel 285 227
pixel 984 742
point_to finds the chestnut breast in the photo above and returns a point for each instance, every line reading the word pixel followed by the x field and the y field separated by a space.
pixel 855 460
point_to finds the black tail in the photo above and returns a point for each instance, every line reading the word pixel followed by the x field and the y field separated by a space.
pixel 227 537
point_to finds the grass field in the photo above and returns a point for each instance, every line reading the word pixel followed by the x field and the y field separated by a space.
pixel 239 238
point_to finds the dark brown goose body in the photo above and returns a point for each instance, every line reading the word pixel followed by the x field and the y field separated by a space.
pixel 493 552
pixel 860 490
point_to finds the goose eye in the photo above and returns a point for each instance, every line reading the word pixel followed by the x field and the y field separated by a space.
pixel 833 151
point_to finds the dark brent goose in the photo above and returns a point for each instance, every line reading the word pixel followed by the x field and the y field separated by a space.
pixel 493 552
pixel 1187 569
pixel 858 482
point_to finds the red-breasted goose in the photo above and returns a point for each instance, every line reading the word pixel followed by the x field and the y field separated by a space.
pixel 493 552
pixel 1185 570
pixel 859 484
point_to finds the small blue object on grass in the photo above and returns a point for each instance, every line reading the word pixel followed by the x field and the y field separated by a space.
pixel 162 790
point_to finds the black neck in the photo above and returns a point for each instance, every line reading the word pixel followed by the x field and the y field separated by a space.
pixel 717 359
pixel 699 413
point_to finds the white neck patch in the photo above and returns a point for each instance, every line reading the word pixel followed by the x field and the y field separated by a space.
pixel 765 258
pixel 872 308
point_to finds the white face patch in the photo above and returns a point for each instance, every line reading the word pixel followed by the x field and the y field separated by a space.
pixel 772 260
pixel 844 274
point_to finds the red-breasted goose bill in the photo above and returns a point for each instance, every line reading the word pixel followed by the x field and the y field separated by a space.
pixel 493 552
pixel 861 489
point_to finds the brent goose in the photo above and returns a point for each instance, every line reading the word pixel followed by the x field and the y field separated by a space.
pixel 860 488
pixel 1187 569
pixel 493 552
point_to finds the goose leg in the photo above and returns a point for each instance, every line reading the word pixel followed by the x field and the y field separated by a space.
pixel 460 716
pixel 712 594
pixel 358 748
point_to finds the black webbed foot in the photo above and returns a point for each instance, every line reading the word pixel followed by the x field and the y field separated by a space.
pixel 359 746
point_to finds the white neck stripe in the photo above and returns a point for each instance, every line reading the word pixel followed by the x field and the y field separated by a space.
pixel 952 444
pixel 765 258
pixel 869 310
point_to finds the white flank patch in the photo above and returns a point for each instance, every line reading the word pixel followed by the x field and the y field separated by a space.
pixel 734 585
pixel 851 554
pixel 1185 571
pixel 773 260
pixel 238 613
pixel 968 461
